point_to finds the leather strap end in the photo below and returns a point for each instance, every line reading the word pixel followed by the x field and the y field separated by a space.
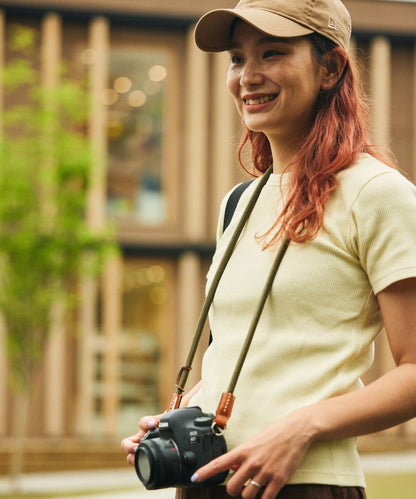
pixel 175 402
pixel 224 410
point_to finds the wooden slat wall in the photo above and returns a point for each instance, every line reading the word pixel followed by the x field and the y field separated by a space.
pixel 368 15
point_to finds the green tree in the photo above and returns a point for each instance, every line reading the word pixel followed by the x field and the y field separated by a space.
pixel 45 242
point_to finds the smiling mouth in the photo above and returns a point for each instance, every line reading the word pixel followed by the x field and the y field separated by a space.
pixel 260 100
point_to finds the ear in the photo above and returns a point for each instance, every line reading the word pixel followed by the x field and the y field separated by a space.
pixel 334 63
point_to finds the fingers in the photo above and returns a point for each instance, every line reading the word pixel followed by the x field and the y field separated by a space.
pixel 242 483
pixel 246 479
pixel 242 469
pixel 268 485
pixel 214 467
pixel 129 444
pixel 149 422
pixel 130 459
pixel 251 489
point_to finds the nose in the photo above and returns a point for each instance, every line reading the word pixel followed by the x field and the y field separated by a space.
pixel 251 74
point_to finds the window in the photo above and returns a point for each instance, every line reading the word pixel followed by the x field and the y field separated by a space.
pixel 142 135
pixel 147 341
pixel 145 360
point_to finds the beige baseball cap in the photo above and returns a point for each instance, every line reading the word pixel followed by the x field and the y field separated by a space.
pixel 282 18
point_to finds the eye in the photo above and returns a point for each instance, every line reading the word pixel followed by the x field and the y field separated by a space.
pixel 236 59
pixel 272 53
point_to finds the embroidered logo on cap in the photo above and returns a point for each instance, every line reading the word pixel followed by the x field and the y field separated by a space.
pixel 333 24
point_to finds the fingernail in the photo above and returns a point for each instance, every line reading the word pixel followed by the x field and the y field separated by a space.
pixel 194 477
pixel 135 449
pixel 151 423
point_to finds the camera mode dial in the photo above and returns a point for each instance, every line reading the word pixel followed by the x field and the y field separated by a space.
pixel 203 421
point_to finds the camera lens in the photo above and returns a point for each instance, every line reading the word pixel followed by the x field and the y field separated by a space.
pixel 143 460
pixel 157 463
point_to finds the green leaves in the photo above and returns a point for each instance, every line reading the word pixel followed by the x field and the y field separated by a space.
pixel 45 169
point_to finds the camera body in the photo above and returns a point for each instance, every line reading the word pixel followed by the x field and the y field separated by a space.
pixel 169 455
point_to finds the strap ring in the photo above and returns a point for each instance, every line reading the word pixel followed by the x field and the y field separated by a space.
pixel 217 430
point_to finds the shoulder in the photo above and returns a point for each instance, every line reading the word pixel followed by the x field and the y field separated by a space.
pixel 367 169
pixel 369 179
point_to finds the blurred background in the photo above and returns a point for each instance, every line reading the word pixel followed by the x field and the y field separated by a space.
pixel 161 134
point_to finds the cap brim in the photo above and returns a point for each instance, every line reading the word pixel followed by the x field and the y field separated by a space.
pixel 213 30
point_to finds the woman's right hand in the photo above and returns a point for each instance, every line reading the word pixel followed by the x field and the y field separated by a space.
pixel 129 444
pixel 147 423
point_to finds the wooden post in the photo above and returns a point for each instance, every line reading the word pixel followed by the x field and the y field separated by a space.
pixel 197 112
pixel 380 89
pixel 226 137
pixel 380 93
pixel 54 380
pixel 99 46
pixel 112 307
pixel 3 359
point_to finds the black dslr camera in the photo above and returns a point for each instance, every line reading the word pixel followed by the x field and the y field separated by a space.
pixel 184 441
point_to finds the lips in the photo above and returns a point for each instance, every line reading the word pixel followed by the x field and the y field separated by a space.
pixel 261 99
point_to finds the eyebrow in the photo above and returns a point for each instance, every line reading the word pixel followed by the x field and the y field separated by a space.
pixel 263 41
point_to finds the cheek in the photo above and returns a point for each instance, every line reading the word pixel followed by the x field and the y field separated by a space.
pixel 233 83
pixel 307 86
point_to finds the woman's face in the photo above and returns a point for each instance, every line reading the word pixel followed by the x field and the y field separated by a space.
pixel 274 82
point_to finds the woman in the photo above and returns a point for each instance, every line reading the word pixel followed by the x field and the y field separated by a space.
pixel 349 269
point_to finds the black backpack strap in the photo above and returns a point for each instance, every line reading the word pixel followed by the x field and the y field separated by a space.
pixel 233 201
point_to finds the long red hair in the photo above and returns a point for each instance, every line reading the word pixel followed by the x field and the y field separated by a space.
pixel 337 137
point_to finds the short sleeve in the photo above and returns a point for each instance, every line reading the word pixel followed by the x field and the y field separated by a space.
pixel 384 229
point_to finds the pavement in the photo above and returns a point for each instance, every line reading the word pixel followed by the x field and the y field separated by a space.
pixel 91 484
pixel 124 484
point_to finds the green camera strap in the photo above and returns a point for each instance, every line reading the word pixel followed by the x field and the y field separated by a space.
pixel 225 406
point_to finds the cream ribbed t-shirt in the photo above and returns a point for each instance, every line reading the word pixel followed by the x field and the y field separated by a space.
pixel 315 336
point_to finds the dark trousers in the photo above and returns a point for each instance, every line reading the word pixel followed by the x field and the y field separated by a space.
pixel 308 491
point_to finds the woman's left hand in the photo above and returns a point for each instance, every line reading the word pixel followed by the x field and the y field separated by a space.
pixel 266 461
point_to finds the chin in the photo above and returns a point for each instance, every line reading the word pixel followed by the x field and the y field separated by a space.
pixel 267 130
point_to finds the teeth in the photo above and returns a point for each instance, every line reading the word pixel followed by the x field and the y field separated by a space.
pixel 260 100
